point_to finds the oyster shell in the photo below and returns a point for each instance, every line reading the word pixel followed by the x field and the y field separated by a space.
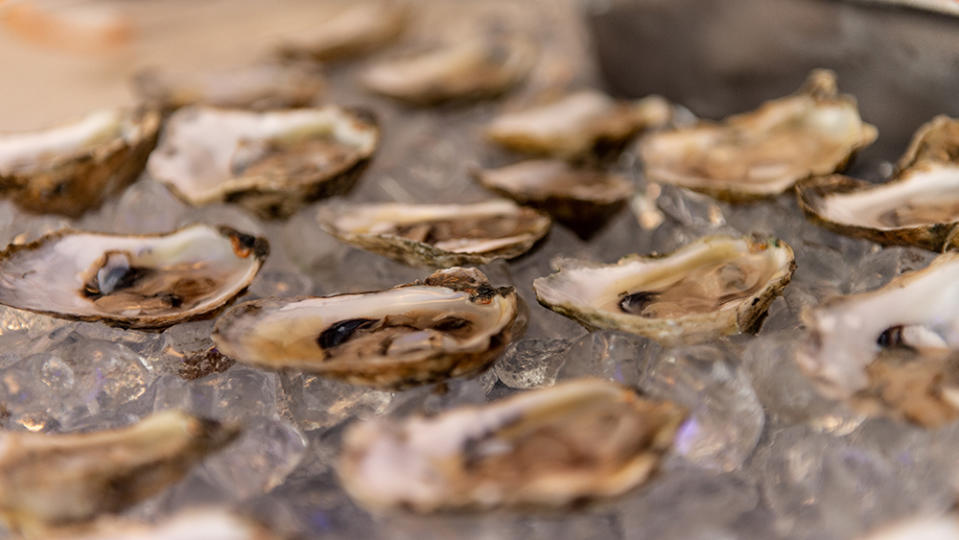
pixel 764 152
pixel 202 524
pixel 582 198
pixel 52 480
pixel 452 323
pixel 72 168
pixel 577 123
pixel 361 28
pixel 547 447
pixel 716 285
pixel 260 86
pixel 438 235
pixel 936 140
pixel 269 162
pixel 148 281
pixel 473 67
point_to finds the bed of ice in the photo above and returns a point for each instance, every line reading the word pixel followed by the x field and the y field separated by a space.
pixel 763 456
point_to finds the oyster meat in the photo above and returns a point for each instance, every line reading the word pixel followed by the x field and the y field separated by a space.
pixel 438 235
pixel 148 281
pixel 714 286
pixel 762 153
pixel 54 480
pixel 260 86
pixel 452 323
pixel 577 124
pixel 75 167
pixel 582 198
pixel 201 524
pixel 269 162
pixel 472 67
pixel 360 28
pixel 546 447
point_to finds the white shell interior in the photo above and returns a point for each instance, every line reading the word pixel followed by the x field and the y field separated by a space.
pixel 563 116
pixel 23 151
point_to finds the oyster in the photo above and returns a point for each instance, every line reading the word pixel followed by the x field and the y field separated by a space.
pixel 269 162
pixel 438 235
pixel 260 86
pixel 473 67
pixel 53 480
pixel 148 281
pixel 762 153
pixel 920 527
pixel 716 285
pixel 577 123
pixel 936 140
pixel 201 524
pixel 583 198
pixel 361 28
pixel 75 167
pixel 452 323
pixel 548 447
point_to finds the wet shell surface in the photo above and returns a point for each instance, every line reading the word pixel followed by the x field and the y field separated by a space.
pixel 452 323
pixel 54 480
pixel 438 235
pixel 717 285
pixel 360 28
pixel 148 281
pixel 548 447
pixel 577 124
pixel 74 167
pixel 764 152
pixel 269 162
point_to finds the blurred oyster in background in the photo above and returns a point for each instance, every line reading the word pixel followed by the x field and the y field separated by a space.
pixel 74 167
pixel 919 528
pixel 936 140
pixel 202 524
pixel 359 28
pixel 268 162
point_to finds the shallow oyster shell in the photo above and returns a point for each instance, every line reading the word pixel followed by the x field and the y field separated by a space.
pixel 147 281
pixel 546 447
pixel 197 524
pixel 714 286
pixel 577 123
pixel 764 152
pixel 582 198
pixel 73 168
pixel 936 140
pixel 452 323
pixel 53 480
pixel 438 235
pixel 269 162
pixel 360 28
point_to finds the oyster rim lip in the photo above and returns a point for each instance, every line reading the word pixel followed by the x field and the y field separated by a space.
pixel 260 251
pixel 742 316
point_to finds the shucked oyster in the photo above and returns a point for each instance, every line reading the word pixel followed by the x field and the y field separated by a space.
pixel 583 198
pixel 716 285
pixel 452 323
pixel 475 66
pixel 75 167
pixel 764 152
pixel 148 281
pixel 269 162
pixel 361 28
pixel 202 524
pixel 578 123
pixel 438 235
pixel 52 480
pixel 547 447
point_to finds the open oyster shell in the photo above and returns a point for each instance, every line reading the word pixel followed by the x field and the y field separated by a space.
pixel 762 153
pixel 72 168
pixel 53 480
pixel 148 281
pixel 577 123
pixel 261 86
pixel 714 286
pixel 360 28
pixel 201 524
pixel 269 162
pixel 582 198
pixel 546 447
pixel 452 323
pixel 438 235
pixel 475 66
pixel 936 140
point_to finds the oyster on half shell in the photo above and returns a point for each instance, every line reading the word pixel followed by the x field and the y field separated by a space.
pixel 269 162
pixel 74 167
pixel 452 323
pixel 545 447
pixel 714 286
pixel 148 281
pixel 764 152
pixel 438 235
pixel 54 480
pixel 360 28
